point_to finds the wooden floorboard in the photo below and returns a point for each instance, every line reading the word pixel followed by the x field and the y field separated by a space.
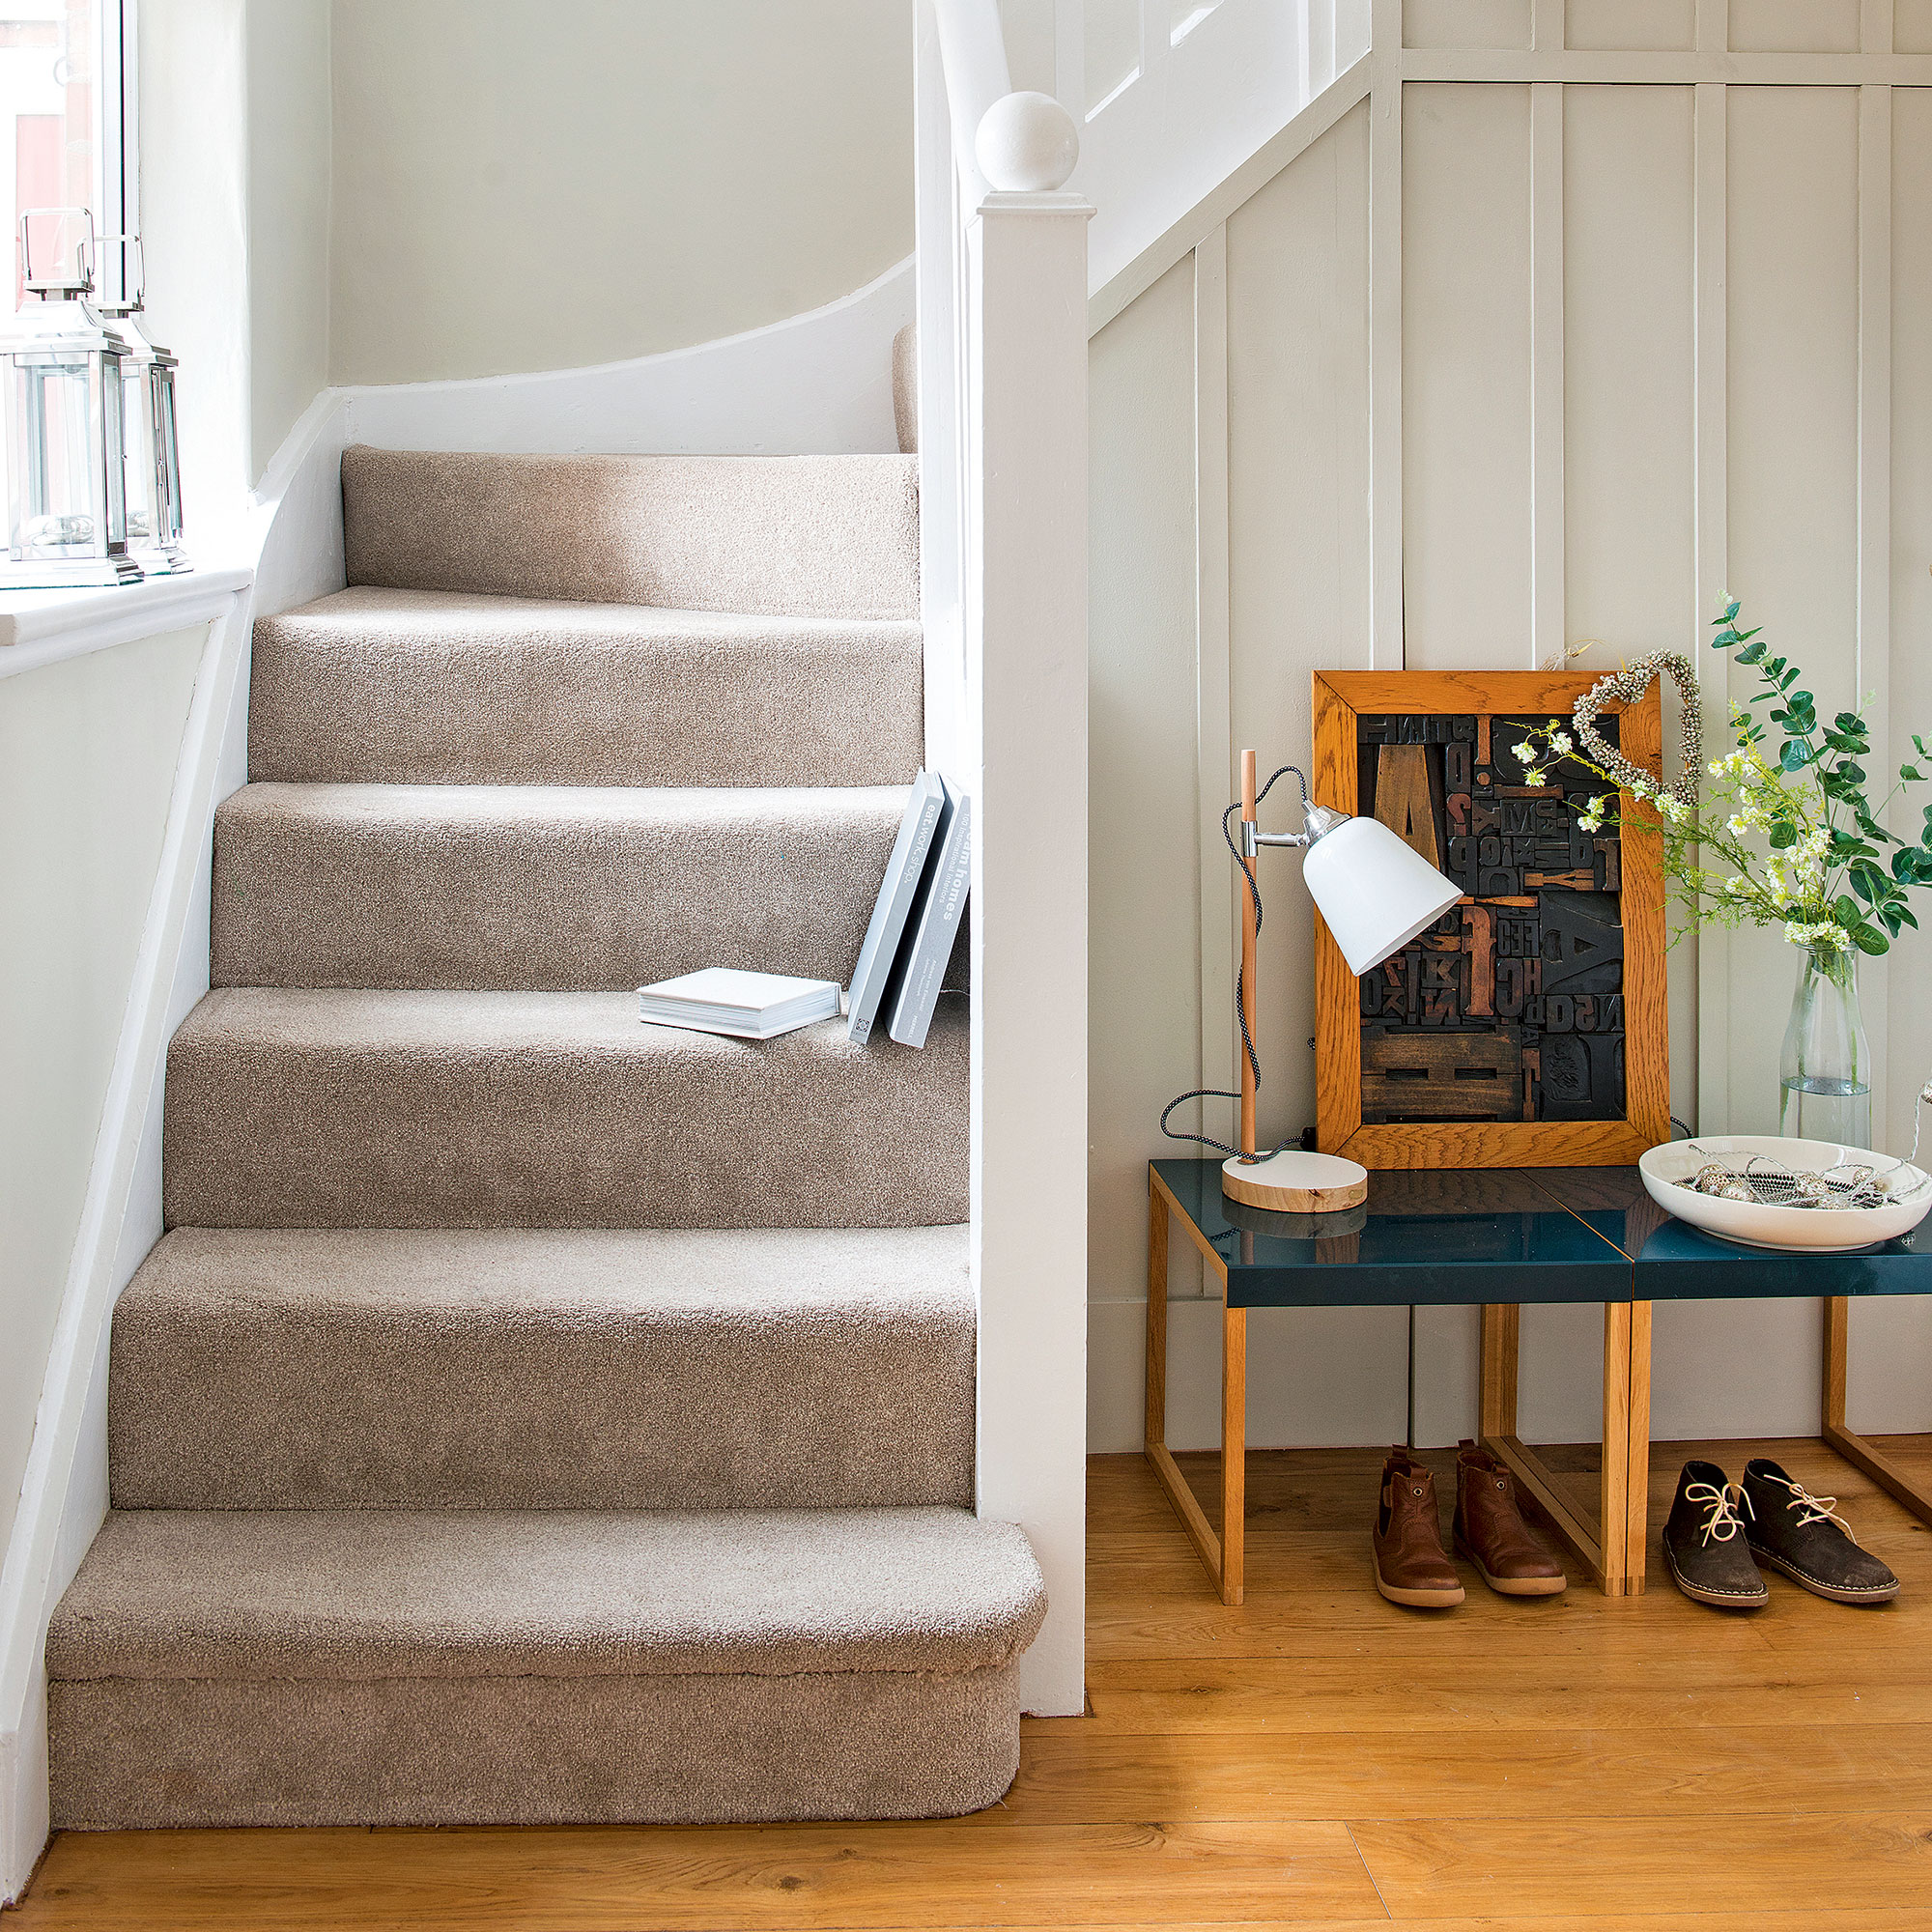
pixel 1313 1757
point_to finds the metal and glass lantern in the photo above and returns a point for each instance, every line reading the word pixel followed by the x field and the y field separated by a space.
pixel 65 384
pixel 152 468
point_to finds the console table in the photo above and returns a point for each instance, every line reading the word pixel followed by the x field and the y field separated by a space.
pixel 1496 1237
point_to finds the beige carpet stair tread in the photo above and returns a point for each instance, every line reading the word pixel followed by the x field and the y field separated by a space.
pixel 832 536
pixel 336 1369
pixel 568 888
pixel 418 687
pixel 360 1593
pixel 305 1108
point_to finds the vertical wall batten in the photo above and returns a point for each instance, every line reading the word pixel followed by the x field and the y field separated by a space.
pixel 1547 600
pixel 1874 629
pixel 1214 746
pixel 1385 503
pixel 1711 222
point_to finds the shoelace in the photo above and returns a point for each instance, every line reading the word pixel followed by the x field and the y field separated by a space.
pixel 1723 1523
pixel 1818 1509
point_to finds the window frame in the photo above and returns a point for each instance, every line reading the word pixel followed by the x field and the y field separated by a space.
pixel 117 148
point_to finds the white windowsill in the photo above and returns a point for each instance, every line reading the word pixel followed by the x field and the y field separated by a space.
pixel 40 627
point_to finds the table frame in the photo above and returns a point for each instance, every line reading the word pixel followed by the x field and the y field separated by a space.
pixel 1611 1549
pixel 1847 1442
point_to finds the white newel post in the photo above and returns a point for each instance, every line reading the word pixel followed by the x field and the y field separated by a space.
pixel 1026 743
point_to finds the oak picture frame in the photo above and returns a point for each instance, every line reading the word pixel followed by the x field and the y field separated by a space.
pixel 1340 699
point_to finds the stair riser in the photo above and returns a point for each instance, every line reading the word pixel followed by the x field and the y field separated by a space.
pixel 232 1408
pixel 831 537
pixel 325 706
pixel 327 890
pixel 283 1129
pixel 737 1749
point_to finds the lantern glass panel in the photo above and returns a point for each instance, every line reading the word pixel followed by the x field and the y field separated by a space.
pixel 138 424
pixel 167 455
pixel 67 500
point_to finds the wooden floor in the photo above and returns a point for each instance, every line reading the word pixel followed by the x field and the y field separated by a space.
pixel 1315 1758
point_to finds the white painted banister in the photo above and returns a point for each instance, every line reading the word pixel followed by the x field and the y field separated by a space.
pixel 973 56
pixel 1026 734
pixel 1003 520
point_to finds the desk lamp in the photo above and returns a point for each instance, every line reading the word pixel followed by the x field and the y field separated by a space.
pixel 1375 894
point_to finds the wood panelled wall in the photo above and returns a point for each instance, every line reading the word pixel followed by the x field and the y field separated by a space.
pixel 1572 319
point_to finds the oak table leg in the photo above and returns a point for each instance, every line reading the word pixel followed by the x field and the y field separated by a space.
pixel 1847 1442
pixel 1636 1491
pixel 1613 1512
pixel 1233 1453
pixel 1222 1555
pixel 1602 1548
pixel 1156 1333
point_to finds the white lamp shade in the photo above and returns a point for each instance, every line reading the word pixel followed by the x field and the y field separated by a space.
pixel 1375 893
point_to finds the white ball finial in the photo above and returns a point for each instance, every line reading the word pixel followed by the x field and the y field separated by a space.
pixel 1027 144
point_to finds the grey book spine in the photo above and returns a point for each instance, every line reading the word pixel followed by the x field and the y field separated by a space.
pixel 897 893
pixel 938 926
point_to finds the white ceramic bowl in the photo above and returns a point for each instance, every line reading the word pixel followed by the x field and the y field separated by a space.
pixel 1826 1231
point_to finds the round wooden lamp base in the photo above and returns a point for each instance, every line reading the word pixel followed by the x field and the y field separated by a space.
pixel 1297 1182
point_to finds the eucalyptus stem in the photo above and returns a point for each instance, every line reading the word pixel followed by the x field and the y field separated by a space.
pixel 1791 783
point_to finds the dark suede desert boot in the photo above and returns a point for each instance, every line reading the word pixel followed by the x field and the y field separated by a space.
pixel 1704 1543
pixel 1411 1567
pixel 1491 1532
pixel 1803 1535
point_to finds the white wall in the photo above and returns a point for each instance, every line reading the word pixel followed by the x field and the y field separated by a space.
pixel 235 193
pixel 290 170
pixel 88 751
pixel 1594 441
pixel 521 185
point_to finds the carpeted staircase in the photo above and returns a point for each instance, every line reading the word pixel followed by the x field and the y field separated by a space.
pixel 532 1415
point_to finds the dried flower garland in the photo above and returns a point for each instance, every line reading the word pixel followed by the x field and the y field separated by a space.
pixel 1628 686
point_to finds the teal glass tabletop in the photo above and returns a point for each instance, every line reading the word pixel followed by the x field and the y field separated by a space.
pixel 1457 1235
pixel 1675 1262
pixel 1450 1237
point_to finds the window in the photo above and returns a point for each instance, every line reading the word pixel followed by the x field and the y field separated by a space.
pixel 64 115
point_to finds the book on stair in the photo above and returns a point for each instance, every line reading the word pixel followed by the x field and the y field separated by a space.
pixel 935 927
pixel 751 1006
pixel 925 813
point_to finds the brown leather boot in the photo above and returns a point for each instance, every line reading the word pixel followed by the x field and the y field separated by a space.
pixel 1491 1532
pixel 1411 1567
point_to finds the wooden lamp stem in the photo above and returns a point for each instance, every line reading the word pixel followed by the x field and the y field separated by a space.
pixel 1248 939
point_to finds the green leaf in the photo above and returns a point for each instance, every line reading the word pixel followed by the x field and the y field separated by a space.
pixel 1911 774
pixel 1847 910
pixel 1868 939
pixel 1853 774
pixel 1783 835
pixel 1725 638
pixel 1904 916
pixel 1845 741
pixel 1751 654
pixel 1888 917
pixel 1794 757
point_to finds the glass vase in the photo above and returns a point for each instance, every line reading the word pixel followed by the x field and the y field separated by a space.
pixel 1825 1071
